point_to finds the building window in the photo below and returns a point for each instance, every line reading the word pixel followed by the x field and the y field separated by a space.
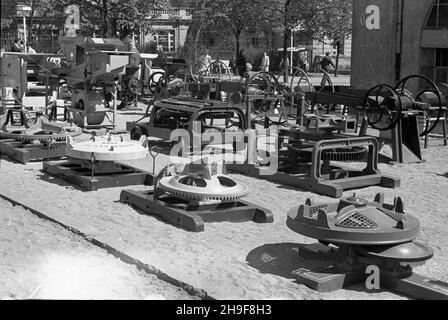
pixel 435 64
pixel 438 17
pixel 441 67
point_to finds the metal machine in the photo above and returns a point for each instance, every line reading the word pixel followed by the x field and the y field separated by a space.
pixel 199 193
pixel 26 140
pixel 92 69
pixel 98 163
pixel 355 234
pixel 319 156
pixel 401 115
pixel 190 114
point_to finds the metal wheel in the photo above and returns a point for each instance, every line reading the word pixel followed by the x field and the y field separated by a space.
pixel 401 87
pixel 263 84
pixel 199 71
pixel 219 68
pixel 382 114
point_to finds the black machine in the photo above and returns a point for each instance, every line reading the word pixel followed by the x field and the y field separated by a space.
pixel 401 114
pixel 191 114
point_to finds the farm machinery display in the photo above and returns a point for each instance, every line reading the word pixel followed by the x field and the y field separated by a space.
pixel 26 140
pixel 357 237
pixel 196 194
pixel 294 91
pixel 319 156
pixel 195 116
pixel 401 114
pixel 99 162
pixel 92 68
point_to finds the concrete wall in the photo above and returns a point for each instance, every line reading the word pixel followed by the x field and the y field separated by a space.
pixel 414 17
pixel 373 50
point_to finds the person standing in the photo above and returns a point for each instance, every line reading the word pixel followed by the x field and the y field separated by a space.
pixel 232 65
pixel 241 63
pixel 265 62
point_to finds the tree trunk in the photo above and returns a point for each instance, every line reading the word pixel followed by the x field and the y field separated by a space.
pixel 237 43
pixel 285 42
pixel 285 54
pixel 105 23
pixel 338 46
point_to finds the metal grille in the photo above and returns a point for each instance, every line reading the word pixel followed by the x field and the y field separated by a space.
pixel 357 221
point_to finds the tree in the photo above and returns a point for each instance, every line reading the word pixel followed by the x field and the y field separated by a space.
pixel 124 16
pixel 335 23
pixel 109 15
pixel 283 15
pixel 319 19
pixel 234 16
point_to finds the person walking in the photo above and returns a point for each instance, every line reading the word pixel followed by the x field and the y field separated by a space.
pixel 265 62
pixel 326 62
pixel 325 65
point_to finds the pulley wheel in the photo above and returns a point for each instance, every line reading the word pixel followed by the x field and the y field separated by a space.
pixel 382 114
pixel 434 89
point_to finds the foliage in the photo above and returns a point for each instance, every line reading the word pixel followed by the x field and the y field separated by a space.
pixel 105 17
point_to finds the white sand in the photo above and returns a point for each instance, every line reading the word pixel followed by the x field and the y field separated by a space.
pixel 42 260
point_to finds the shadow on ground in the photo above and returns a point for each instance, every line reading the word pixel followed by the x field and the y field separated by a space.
pixel 283 260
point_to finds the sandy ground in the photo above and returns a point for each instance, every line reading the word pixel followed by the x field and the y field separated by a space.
pixel 228 260
pixel 42 260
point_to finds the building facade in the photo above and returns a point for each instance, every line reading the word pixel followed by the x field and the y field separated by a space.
pixel 396 38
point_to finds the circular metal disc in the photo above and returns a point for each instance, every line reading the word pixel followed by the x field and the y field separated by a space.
pixel 218 188
pixel 42 130
pixel 107 149
pixel 414 251
pixel 355 225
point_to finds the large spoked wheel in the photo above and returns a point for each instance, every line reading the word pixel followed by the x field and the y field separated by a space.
pixel 218 69
pixel 291 91
pixel 199 71
pixel 420 97
pixel 263 84
pixel 383 111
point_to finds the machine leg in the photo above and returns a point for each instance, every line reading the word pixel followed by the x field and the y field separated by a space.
pixel 427 136
pixel 445 134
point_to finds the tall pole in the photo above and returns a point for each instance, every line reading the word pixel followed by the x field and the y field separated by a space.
pixel 292 45
pixel 24 32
